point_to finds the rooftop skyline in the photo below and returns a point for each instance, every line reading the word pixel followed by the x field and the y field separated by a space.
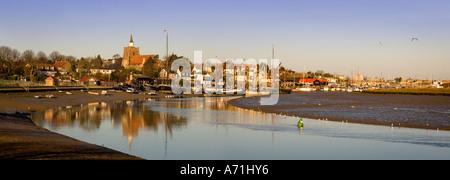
pixel 334 36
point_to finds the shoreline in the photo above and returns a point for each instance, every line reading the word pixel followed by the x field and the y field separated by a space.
pixel 349 107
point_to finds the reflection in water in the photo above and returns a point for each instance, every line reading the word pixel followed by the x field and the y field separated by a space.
pixel 209 128
pixel 131 116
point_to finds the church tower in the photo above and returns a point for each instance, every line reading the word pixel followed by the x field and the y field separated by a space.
pixel 129 52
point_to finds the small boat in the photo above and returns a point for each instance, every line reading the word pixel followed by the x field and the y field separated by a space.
pixel 93 93
pixel 283 91
pixel 37 97
pixel 306 89
pixel 49 96
pixel 69 93
pixel 105 93
pixel 130 90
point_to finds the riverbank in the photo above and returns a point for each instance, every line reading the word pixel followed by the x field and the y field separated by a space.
pixel 427 112
pixel 412 91
pixel 20 138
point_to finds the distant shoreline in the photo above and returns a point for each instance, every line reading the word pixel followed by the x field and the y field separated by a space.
pixel 412 91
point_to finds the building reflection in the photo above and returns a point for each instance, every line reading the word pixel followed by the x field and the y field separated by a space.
pixel 161 116
pixel 150 115
pixel 131 116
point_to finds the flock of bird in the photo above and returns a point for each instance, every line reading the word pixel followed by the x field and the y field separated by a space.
pixel 412 40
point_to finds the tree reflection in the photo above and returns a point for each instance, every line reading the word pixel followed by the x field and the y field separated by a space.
pixel 131 116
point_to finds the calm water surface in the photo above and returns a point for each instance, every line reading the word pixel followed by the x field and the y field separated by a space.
pixel 209 128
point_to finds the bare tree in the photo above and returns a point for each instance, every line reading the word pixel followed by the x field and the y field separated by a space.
pixel 27 55
pixel 42 57
pixel 14 57
pixel 117 56
pixel 118 59
pixel 5 53
pixel 31 68
pixel 8 57
pixel 71 59
pixel 55 56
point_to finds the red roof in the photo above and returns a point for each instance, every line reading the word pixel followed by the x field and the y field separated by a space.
pixel 51 78
pixel 311 80
pixel 59 63
pixel 140 59
pixel 88 78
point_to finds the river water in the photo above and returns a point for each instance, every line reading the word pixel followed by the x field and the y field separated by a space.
pixel 208 128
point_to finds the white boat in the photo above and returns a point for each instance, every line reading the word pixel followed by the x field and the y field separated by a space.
pixel 332 89
pixel 37 97
pixel 349 90
pixel 325 89
pixel 130 90
pixel 69 93
pixel 338 89
pixel 93 93
pixel 212 91
pixel 305 89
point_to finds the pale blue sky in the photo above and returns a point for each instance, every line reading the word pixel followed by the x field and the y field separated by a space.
pixel 334 36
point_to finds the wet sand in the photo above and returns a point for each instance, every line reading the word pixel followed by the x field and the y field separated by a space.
pixel 20 138
pixel 415 111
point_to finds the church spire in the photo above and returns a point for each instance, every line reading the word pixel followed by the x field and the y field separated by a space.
pixel 131 41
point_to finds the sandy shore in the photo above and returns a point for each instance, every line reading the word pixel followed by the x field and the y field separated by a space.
pixel 20 138
pixel 415 111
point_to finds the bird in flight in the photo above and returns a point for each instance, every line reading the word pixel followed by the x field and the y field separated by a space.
pixel 412 39
pixel 381 44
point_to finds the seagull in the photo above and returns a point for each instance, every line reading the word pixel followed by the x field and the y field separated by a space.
pixel 381 44
pixel 412 39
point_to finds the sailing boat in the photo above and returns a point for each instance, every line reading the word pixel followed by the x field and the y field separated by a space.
pixel 284 90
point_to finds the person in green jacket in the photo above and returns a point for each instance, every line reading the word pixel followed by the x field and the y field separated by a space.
pixel 300 123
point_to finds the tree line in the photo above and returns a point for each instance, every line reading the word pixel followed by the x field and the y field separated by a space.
pixel 15 65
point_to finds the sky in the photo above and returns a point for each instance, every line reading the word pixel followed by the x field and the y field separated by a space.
pixel 329 35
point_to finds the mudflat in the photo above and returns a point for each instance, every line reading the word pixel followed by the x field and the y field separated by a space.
pixel 415 111
pixel 20 138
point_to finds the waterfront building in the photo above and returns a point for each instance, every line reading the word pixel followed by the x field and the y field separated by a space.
pixel 313 81
pixel 90 81
pixel 51 81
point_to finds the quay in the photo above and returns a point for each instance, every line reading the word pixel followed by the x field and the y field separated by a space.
pixel 51 88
